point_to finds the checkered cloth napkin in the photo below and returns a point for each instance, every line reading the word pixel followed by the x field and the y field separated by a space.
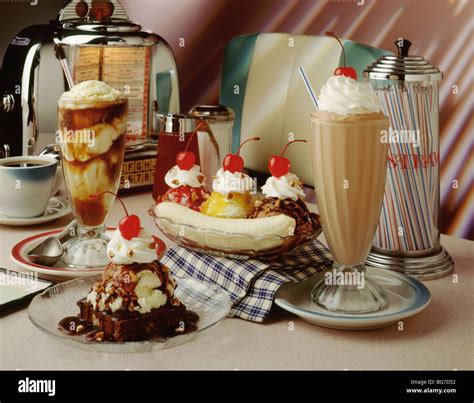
pixel 251 284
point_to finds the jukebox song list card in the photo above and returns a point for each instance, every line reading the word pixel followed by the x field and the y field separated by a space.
pixel 125 68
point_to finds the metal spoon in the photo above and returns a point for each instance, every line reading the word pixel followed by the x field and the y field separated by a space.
pixel 49 251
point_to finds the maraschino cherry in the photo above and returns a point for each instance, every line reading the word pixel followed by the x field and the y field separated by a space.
pixel 130 225
pixel 346 70
pixel 234 162
pixel 186 159
pixel 279 165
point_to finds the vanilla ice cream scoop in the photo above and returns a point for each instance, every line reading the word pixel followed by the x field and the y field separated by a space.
pixel 89 93
pixel 135 288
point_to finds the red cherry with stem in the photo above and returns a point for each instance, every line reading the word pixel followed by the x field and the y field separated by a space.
pixel 234 162
pixel 279 165
pixel 346 70
pixel 186 159
pixel 130 225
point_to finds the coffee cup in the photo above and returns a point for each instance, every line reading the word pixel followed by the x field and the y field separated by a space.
pixel 26 185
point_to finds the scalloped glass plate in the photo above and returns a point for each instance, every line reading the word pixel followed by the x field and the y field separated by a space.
pixel 233 245
pixel 211 303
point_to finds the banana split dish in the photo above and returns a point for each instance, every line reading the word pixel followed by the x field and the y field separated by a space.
pixel 232 221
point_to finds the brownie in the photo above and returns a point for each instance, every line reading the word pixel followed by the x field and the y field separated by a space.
pixel 169 320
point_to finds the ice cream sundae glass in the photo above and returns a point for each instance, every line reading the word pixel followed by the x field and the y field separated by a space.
pixel 92 128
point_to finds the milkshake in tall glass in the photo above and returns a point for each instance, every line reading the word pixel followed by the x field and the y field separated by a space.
pixel 350 165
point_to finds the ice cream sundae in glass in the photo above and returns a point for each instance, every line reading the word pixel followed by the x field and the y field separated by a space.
pixel 92 128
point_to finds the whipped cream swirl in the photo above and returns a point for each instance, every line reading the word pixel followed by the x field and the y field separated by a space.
pixel 177 177
pixel 140 249
pixel 226 182
pixel 284 187
pixel 345 96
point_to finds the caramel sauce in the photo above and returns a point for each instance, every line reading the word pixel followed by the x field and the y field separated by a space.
pixel 77 119
pixel 92 211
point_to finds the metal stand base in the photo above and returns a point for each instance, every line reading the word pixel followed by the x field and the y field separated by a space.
pixel 427 267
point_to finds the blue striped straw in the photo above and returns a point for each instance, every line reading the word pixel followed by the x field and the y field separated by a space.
pixel 308 86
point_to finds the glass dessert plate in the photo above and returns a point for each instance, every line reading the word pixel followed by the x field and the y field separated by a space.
pixel 234 245
pixel 47 309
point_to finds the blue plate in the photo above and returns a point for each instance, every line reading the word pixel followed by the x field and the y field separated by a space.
pixel 406 297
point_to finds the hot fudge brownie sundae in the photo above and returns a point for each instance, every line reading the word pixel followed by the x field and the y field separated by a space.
pixel 134 300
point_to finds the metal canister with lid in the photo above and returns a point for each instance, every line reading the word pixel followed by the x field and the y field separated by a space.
pixel 213 148
pixel 408 238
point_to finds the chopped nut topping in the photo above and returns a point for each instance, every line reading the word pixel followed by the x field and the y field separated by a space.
pixel 174 301
pixel 200 178
pixel 175 182
pixel 80 328
pixel 194 196
pixel 99 336
pixel 152 245
pixel 229 196
pixel 111 254
pixel 130 253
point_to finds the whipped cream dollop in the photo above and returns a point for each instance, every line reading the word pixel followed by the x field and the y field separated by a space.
pixel 226 182
pixel 140 249
pixel 177 177
pixel 346 96
pixel 284 187
pixel 90 91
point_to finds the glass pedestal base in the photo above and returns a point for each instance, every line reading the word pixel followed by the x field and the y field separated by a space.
pixel 87 250
pixel 347 289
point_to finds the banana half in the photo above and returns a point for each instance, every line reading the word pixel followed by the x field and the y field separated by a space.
pixel 225 234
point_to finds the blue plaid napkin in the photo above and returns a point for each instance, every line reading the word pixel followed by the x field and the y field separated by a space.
pixel 251 284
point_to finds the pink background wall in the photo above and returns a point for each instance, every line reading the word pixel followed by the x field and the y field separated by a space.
pixel 440 30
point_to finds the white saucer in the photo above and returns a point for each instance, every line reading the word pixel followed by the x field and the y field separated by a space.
pixel 57 207
pixel 407 296
pixel 19 254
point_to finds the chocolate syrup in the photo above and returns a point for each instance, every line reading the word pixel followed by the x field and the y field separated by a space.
pixel 72 325
pixel 93 211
